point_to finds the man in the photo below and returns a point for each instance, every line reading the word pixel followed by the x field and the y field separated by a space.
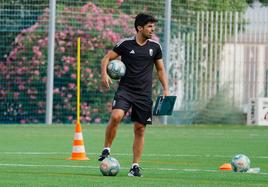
pixel 140 54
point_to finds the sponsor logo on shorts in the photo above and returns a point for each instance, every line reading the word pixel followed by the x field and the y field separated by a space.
pixel 149 119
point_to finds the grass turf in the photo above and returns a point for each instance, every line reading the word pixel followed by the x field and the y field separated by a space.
pixel 35 155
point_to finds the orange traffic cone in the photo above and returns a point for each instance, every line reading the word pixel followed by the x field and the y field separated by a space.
pixel 226 166
pixel 78 152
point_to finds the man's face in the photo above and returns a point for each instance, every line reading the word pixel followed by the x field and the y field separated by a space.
pixel 148 30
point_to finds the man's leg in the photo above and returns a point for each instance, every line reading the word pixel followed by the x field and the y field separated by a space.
pixel 115 119
pixel 139 130
pixel 110 133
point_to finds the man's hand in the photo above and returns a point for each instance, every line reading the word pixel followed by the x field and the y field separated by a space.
pixel 106 81
pixel 165 93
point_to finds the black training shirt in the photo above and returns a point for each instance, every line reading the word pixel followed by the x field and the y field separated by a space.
pixel 139 61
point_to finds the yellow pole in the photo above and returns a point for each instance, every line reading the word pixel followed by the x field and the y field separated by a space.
pixel 78 82
pixel 78 152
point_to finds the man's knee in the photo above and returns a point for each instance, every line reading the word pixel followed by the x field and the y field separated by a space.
pixel 139 130
pixel 116 117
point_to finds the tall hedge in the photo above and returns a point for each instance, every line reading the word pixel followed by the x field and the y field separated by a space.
pixel 23 92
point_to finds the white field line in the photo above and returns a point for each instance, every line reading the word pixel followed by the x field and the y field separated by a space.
pixel 95 167
pixel 126 154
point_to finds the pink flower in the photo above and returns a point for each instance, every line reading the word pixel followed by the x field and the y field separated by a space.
pixel 62 35
pixel 62 49
pixel 20 71
pixel 112 36
pixel 33 97
pixel 21 87
pixel 119 2
pixel 37 51
pixel 68 59
pixel 73 76
pixel 31 29
pixel 56 90
pixel 88 70
pixel 13 55
pixel 16 95
pixel 72 33
pixel 36 72
pixel 89 24
pixel 99 24
pixel 70 118
pixel 19 38
pixel 80 32
pixel 66 68
pixel 97 120
pixel 85 8
pixel 84 107
pixel 3 93
pixel 88 119
pixel 71 85
pixel 95 9
pixel 42 42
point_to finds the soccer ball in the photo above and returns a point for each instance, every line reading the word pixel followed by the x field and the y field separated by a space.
pixel 116 69
pixel 109 166
pixel 240 163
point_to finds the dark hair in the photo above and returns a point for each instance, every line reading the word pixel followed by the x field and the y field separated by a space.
pixel 142 19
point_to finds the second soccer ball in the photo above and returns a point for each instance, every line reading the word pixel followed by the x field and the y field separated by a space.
pixel 240 163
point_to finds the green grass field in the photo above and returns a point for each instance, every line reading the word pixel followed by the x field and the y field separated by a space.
pixel 35 155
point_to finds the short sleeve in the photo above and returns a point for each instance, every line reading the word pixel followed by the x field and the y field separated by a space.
pixel 158 54
pixel 118 48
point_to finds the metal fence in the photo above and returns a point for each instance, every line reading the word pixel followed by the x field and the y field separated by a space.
pixel 217 57
pixel 222 64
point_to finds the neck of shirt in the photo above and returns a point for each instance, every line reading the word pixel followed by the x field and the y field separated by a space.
pixel 140 40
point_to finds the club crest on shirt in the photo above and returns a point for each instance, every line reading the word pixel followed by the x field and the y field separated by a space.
pixel 114 102
pixel 151 52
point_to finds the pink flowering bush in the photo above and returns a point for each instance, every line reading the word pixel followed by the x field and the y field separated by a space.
pixel 24 73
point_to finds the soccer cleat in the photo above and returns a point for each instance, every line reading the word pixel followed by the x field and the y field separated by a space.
pixel 135 171
pixel 105 153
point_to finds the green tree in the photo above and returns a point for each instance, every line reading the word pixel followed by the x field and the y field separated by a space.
pixel 264 2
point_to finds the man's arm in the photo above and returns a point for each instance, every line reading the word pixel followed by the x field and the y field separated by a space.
pixel 105 79
pixel 159 64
